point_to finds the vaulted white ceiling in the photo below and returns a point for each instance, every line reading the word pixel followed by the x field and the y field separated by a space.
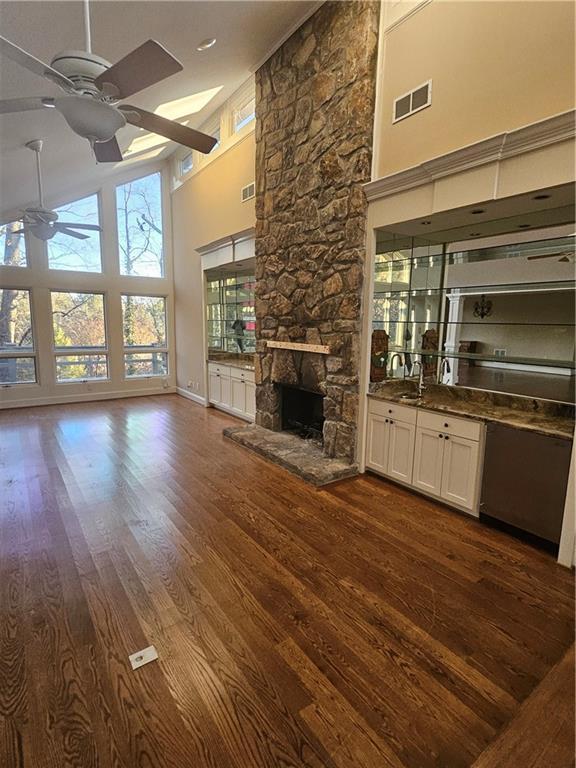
pixel 246 33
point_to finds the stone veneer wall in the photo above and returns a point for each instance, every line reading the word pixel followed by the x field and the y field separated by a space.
pixel 314 111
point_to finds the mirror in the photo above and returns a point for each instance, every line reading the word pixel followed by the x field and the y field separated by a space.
pixel 500 318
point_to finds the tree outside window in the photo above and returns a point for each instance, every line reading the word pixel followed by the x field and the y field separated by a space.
pixel 139 212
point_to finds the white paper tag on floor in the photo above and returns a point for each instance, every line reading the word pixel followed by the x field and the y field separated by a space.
pixel 140 658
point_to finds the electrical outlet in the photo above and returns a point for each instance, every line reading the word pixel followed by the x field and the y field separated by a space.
pixel 190 385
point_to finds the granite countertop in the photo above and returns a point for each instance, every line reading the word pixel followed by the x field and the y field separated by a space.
pixel 556 420
pixel 233 363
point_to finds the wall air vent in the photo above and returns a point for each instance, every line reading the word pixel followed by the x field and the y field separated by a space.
pixel 248 192
pixel 412 102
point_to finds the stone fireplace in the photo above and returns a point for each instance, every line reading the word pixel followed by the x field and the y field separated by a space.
pixel 314 110
pixel 302 412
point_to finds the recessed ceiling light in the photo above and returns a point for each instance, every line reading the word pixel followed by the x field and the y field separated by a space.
pixel 541 197
pixel 477 211
pixel 523 226
pixel 205 44
pixel 426 222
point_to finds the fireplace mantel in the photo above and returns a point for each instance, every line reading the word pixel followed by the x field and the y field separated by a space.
pixel 320 349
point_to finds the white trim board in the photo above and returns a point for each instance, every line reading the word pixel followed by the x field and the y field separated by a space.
pixel 493 149
pixel 87 397
pixel 198 399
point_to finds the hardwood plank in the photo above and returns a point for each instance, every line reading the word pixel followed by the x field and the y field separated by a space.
pixel 542 731
pixel 356 626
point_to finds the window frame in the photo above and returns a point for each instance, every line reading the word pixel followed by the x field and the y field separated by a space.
pixel 143 348
pixel 55 270
pixel 7 354
pixel 75 351
pixel 166 271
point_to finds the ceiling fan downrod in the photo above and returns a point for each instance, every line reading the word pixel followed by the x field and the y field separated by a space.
pixel 87 33
pixel 36 147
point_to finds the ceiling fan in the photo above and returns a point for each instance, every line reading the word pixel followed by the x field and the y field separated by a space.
pixel 93 88
pixel 42 222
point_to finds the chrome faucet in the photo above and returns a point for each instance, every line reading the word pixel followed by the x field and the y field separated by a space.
pixel 394 356
pixel 421 385
pixel 444 364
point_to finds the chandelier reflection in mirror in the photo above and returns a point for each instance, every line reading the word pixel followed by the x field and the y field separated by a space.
pixel 482 308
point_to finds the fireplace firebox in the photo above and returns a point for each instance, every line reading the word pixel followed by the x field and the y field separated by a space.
pixel 302 412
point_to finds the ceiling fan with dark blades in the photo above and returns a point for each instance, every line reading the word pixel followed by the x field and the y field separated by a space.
pixel 93 87
pixel 43 222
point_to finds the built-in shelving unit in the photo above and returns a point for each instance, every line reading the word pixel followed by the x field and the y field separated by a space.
pixel 490 317
pixel 231 322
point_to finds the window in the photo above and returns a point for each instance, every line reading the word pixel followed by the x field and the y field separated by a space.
pixel 216 135
pixel 12 245
pixel 244 114
pixel 17 359
pixel 144 328
pixel 139 211
pixel 73 253
pixel 79 336
pixel 186 164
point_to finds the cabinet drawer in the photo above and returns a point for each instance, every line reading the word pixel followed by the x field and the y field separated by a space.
pixel 242 374
pixel 222 370
pixel 392 411
pixel 450 425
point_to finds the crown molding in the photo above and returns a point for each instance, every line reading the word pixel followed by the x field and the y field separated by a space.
pixel 494 149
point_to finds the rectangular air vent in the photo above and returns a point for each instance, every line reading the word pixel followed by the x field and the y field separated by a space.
pixel 412 102
pixel 248 192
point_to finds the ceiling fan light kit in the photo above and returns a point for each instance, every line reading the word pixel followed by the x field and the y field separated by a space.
pixel 94 87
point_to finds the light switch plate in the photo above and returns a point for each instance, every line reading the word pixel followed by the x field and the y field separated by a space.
pixel 140 658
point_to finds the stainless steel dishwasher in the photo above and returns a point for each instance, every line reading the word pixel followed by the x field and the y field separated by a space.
pixel 525 480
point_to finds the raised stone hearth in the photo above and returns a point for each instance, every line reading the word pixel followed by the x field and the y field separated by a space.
pixel 301 457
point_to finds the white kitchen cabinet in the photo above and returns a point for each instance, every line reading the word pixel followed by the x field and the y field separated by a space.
pixel 377 444
pixel 460 474
pixel 238 396
pixel 250 400
pixel 428 453
pixel 436 454
pixel 400 450
pixel 232 390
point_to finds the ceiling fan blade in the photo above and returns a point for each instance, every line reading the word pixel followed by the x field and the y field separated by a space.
pixel 168 128
pixel 107 151
pixel 8 106
pixel 91 227
pixel 26 60
pixel 65 231
pixel 148 64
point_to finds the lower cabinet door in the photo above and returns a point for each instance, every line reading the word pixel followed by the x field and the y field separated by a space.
pixel 226 391
pixel 214 389
pixel 250 399
pixel 428 453
pixel 460 471
pixel 238 395
pixel 377 443
pixel 400 450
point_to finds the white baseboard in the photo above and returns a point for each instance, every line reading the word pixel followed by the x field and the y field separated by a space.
pixel 86 397
pixel 191 396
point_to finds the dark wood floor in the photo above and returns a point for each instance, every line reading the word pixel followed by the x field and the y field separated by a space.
pixel 354 627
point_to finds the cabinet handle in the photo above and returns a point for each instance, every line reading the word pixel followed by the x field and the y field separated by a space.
pixel 389 410
pixel 446 437
pixel 391 422
pixel 446 425
pixel 386 420
pixel 217 375
pixel 440 436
